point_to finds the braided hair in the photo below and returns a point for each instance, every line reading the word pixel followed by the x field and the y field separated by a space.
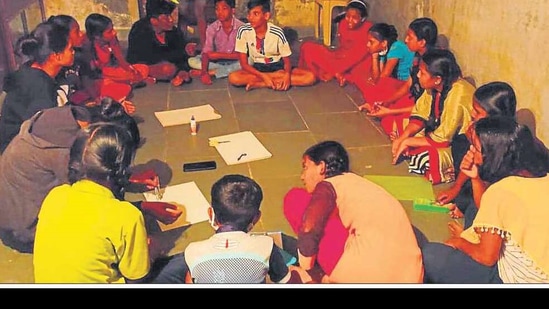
pixel 441 63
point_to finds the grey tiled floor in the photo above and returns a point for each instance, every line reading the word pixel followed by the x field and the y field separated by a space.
pixel 285 122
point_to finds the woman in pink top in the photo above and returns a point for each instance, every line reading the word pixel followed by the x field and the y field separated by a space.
pixel 378 244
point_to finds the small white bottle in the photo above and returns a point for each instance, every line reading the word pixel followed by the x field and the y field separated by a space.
pixel 193 125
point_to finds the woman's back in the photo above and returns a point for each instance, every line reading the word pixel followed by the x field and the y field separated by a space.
pixel 381 247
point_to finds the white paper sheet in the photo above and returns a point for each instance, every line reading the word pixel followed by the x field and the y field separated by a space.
pixel 240 147
pixel 189 198
pixel 183 116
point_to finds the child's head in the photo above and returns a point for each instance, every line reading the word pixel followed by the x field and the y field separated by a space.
pixel 259 12
pixel 76 36
pixel 380 37
pixel 224 9
pixel 505 148
pixel 160 15
pixel 494 99
pixel 112 111
pixel 102 153
pixel 323 160
pixel 48 42
pixel 438 68
pixel 235 202
pixel 355 14
pixel 99 27
pixel 421 35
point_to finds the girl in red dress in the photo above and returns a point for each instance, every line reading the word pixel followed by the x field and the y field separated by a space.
pixel 327 63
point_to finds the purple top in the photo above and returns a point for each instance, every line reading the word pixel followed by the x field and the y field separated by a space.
pixel 219 41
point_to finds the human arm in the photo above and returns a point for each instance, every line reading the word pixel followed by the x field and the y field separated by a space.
pixel 133 247
pixel 403 90
pixel 447 196
pixel 321 205
pixel 486 252
pixel 286 77
pixel 382 111
pixel 413 127
pixel 470 168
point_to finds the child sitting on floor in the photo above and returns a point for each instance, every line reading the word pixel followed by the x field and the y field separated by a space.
pixel 232 255
pixel 218 57
pixel 270 51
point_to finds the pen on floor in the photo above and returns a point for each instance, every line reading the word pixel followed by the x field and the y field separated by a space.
pixel 240 157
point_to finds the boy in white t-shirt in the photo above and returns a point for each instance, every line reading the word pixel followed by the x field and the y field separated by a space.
pixel 269 50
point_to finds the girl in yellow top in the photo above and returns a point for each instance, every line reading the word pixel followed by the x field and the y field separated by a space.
pixel 85 232
pixel 442 112
pixel 508 239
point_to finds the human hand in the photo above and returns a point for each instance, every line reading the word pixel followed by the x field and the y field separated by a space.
pixel 128 106
pixel 399 147
pixel 447 196
pixel 190 49
pixel 379 111
pixel 284 84
pixel 468 165
pixel 365 107
pixel 268 81
pixel 163 212
pixel 149 178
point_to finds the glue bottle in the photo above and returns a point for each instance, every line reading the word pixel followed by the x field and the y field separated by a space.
pixel 193 125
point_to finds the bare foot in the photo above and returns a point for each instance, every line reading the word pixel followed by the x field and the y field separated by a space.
pixel 206 79
pixel 455 228
pixel 455 213
pixel 252 85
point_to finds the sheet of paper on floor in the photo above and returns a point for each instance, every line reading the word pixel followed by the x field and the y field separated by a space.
pixel 240 147
pixel 189 198
pixel 183 116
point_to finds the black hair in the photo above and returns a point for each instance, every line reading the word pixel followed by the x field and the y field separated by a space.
pixel 45 40
pixel 62 20
pixel 112 111
pixel 497 98
pixel 385 32
pixel 441 63
pixel 236 200
pixel 508 149
pixel 96 24
pixel 102 153
pixel 230 3
pixel 157 8
pixel 264 4
pixel 425 29
pixel 359 5
pixel 333 154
